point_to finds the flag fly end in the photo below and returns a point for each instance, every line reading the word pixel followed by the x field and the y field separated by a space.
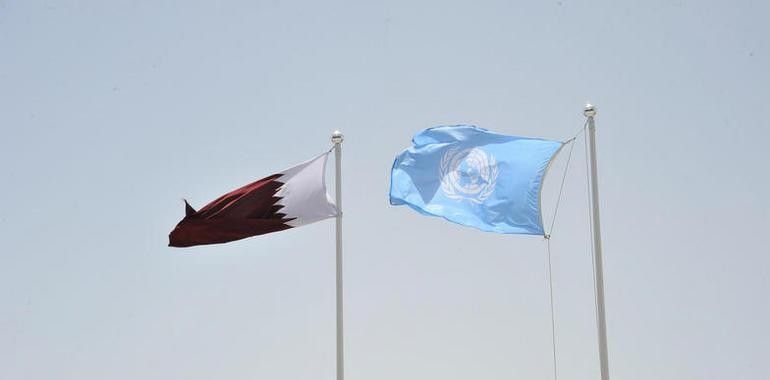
pixel 188 210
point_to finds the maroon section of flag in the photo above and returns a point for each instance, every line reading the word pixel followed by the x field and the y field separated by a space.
pixel 277 202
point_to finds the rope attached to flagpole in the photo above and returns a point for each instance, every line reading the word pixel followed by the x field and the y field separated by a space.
pixel 553 319
pixel 547 238
pixel 571 141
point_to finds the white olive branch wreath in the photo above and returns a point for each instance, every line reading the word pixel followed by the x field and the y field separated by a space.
pixel 449 187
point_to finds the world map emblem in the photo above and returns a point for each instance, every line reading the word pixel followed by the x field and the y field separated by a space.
pixel 468 174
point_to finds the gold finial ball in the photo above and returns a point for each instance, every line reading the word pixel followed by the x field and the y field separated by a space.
pixel 337 137
pixel 589 110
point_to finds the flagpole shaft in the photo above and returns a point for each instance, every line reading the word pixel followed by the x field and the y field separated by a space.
pixel 601 323
pixel 337 140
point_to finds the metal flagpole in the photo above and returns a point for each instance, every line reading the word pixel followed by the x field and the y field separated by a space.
pixel 337 140
pixel 601 324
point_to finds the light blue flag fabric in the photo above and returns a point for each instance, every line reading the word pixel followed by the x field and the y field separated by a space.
pixel 474 177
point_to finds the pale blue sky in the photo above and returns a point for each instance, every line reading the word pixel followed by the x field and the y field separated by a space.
pixel 112 111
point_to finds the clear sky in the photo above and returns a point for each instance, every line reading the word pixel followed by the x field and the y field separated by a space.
pixel 112 111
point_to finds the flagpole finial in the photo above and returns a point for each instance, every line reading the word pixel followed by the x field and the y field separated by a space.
pixel 589 110
pixel 337 137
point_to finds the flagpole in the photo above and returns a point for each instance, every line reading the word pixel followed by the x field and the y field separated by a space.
pixel 337 140
pixel 601 324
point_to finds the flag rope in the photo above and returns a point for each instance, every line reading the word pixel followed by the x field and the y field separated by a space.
pixel 561 187
pixel 547 238
pixel 553 318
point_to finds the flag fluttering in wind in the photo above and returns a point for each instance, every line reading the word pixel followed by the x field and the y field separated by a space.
pixel 474 177
pixel 291 198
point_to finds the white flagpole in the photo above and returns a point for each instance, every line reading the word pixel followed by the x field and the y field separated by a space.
pixel 601 324
pixel 337 140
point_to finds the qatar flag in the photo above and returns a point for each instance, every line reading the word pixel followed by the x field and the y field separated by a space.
pixel 291 198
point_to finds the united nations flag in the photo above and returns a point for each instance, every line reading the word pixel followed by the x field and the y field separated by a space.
pixel 474 177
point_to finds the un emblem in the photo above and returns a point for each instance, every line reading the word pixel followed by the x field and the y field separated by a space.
pixel 468 174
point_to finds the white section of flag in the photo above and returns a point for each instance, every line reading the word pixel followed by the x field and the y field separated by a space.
pixel 303 194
